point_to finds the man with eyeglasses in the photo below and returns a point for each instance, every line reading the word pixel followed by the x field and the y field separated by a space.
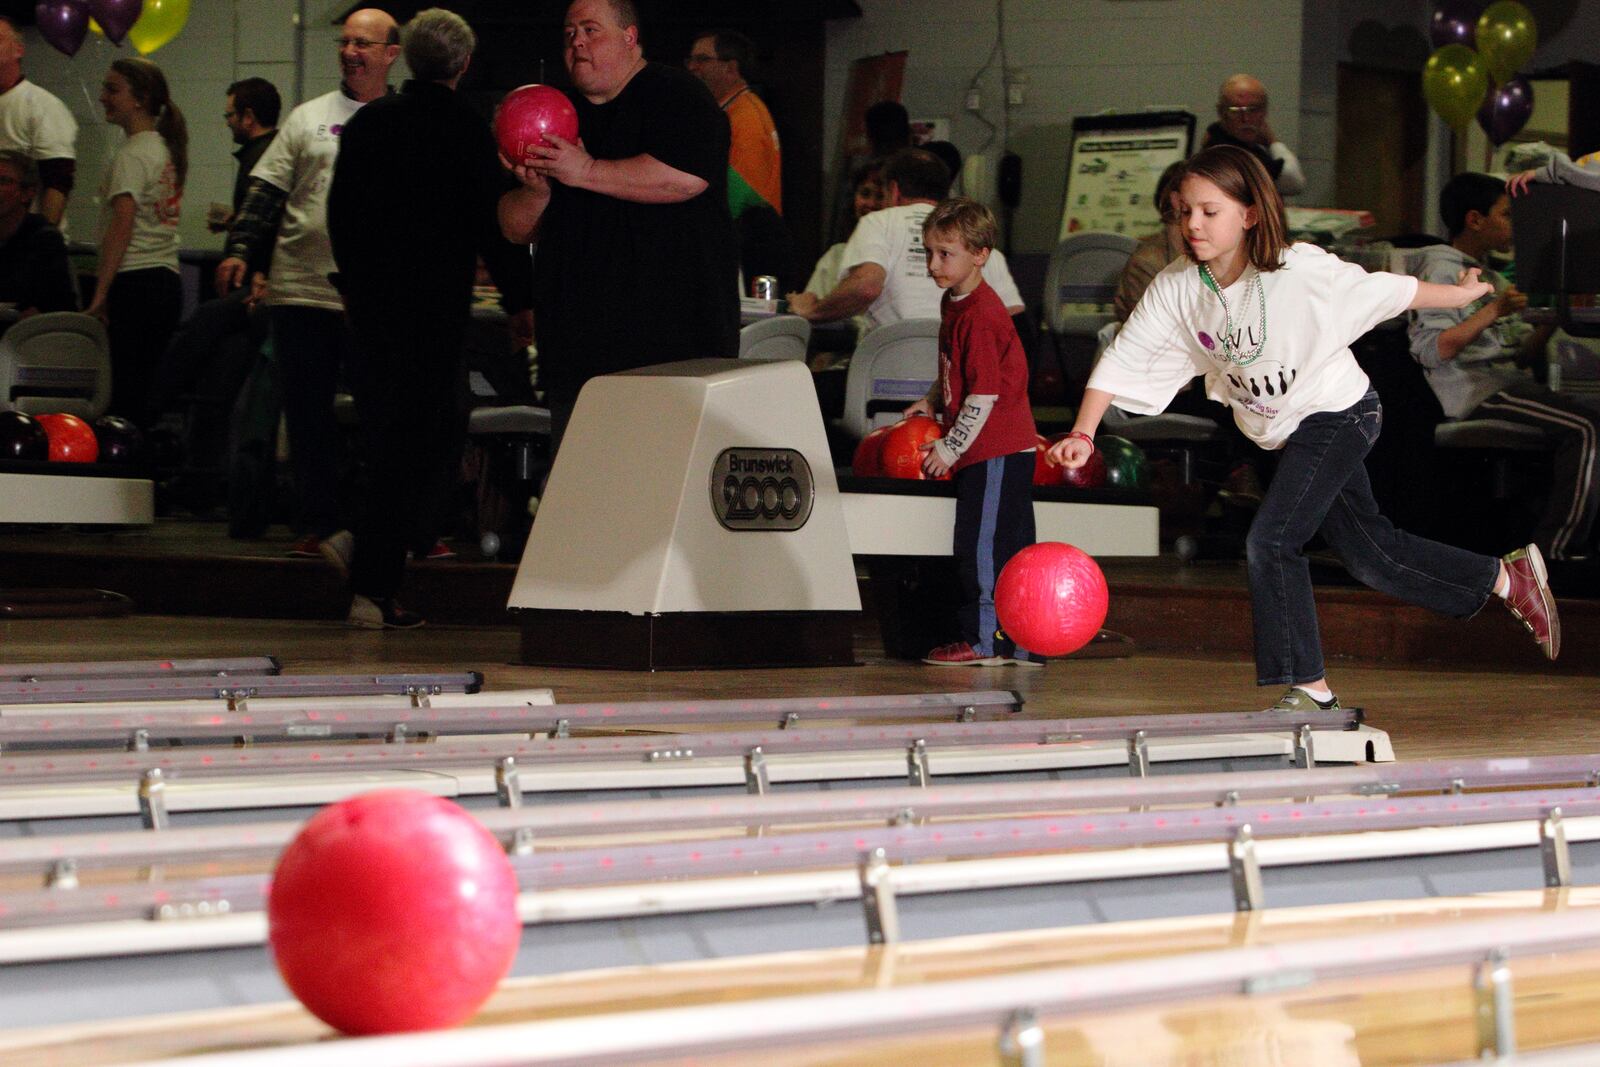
pixel 284 218
pixel 252 118
pixel 1242 121
pixel 721 58
pixel 34 275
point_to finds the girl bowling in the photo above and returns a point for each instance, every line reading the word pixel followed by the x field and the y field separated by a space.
pixel 1269 325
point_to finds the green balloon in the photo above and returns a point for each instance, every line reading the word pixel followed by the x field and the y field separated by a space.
pixel 158 23
pixel 1454 82
pixel 1507 38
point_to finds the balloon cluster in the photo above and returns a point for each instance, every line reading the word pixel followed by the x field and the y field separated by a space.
pixel 1474 70
pixel 147 24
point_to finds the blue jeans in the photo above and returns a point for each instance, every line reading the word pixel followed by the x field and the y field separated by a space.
pixel 1321 483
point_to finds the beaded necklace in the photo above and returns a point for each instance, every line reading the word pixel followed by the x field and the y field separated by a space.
pixel 1238 356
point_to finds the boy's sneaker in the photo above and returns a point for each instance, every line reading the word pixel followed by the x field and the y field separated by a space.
pixel 1529 598
pixel 1297 699
pixel 439 551
pixel 308 547
pixel 372 613
pixel 961 654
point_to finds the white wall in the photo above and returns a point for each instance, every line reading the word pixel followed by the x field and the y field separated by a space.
pixel 223 41
pixel 1081 57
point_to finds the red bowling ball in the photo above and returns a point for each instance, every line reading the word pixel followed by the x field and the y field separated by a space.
pixel 902 447
pixel 71 439
pixel 393 911
pixel 868 459
pixel 1044 472
pixel 527 114
pixel 1051 598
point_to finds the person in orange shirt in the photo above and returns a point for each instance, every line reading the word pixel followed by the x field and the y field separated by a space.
pixel 720 58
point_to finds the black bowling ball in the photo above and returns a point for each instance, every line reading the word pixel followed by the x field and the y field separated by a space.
pixel 120 440
pixel 21 437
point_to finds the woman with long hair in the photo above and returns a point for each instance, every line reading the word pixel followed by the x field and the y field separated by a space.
pixel 137 293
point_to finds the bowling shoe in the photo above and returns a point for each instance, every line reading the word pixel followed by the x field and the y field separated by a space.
pixel 374 613
pixel 1297 699
pixel 1530 600
pixel 961 654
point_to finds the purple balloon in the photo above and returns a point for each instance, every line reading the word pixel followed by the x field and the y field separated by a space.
pixel 1506 110
pixel 62 23
pixel 116 17
pixel 1455 22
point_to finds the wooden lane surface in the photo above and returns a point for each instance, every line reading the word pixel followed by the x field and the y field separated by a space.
pixel 1429 713
pixel 1563 996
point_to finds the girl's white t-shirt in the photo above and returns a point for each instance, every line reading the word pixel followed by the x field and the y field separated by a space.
pixel 142 168
pixel 1317 304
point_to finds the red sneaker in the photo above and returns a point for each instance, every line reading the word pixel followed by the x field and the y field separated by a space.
pixel 961 654
pixel 1529 598
pixel 440 550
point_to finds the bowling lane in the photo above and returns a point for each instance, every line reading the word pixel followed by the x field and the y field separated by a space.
pixel 1389 1020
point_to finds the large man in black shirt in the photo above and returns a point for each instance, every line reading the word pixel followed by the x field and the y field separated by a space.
pixel 411 207
pixel 638 259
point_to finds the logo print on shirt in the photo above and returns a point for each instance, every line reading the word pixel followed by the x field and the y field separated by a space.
pixel 1206 341
pixel 1265 385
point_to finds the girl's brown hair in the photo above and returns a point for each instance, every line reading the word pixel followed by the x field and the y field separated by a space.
pixel 149 87
pixel 1243 177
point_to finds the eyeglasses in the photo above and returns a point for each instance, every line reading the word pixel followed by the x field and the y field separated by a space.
pixel 360 44
pixel 1245 109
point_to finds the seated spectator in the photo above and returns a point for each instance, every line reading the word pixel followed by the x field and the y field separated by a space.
pixel 1584 173
pixel 1155 251
pixel 34 275
pixel 866 196
pixel 885 265
pixel 1476 359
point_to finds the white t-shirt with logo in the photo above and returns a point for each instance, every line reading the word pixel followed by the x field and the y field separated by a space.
pixel 300 162
pixel 892 238
pixel 35 122
pixel 142 168
pixel 1317 304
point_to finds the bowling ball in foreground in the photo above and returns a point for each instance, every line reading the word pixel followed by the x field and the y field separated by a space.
pixel 527 114
pixel 71 439
pixel 1051 598
pixel 1126 465
pixel 868 459
pixel 21 437
pixel 120 440
pixel 393 911
pixel 902 446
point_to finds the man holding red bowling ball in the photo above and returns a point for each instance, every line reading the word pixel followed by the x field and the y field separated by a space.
pixel 638 259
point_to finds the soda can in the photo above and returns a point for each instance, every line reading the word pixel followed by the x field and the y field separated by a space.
pixel 764 287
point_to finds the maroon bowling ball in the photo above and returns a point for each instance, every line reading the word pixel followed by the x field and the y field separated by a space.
pixel 21 437
pixel 120 440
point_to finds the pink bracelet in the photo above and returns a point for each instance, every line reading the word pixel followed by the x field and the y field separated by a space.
pixel 1083 436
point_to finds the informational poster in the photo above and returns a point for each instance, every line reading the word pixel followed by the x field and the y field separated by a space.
pixel 1113 168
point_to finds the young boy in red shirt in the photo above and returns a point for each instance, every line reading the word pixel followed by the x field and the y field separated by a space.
pixel 981 397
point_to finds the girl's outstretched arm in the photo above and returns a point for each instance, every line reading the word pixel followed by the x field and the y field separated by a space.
pixel 1468 288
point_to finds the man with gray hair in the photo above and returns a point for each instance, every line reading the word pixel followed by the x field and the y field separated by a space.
pixel 34 275
pixel 411 209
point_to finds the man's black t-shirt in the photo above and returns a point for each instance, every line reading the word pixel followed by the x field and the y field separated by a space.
pixel 619 284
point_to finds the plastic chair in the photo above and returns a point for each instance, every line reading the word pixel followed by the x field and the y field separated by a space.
pixel 892 366
pixel 59 361
pixel 1078 289
pixel 780 337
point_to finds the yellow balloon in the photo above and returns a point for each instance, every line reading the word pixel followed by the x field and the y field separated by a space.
pixel 1507 38
pixel 1454 82
pixel 159 23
